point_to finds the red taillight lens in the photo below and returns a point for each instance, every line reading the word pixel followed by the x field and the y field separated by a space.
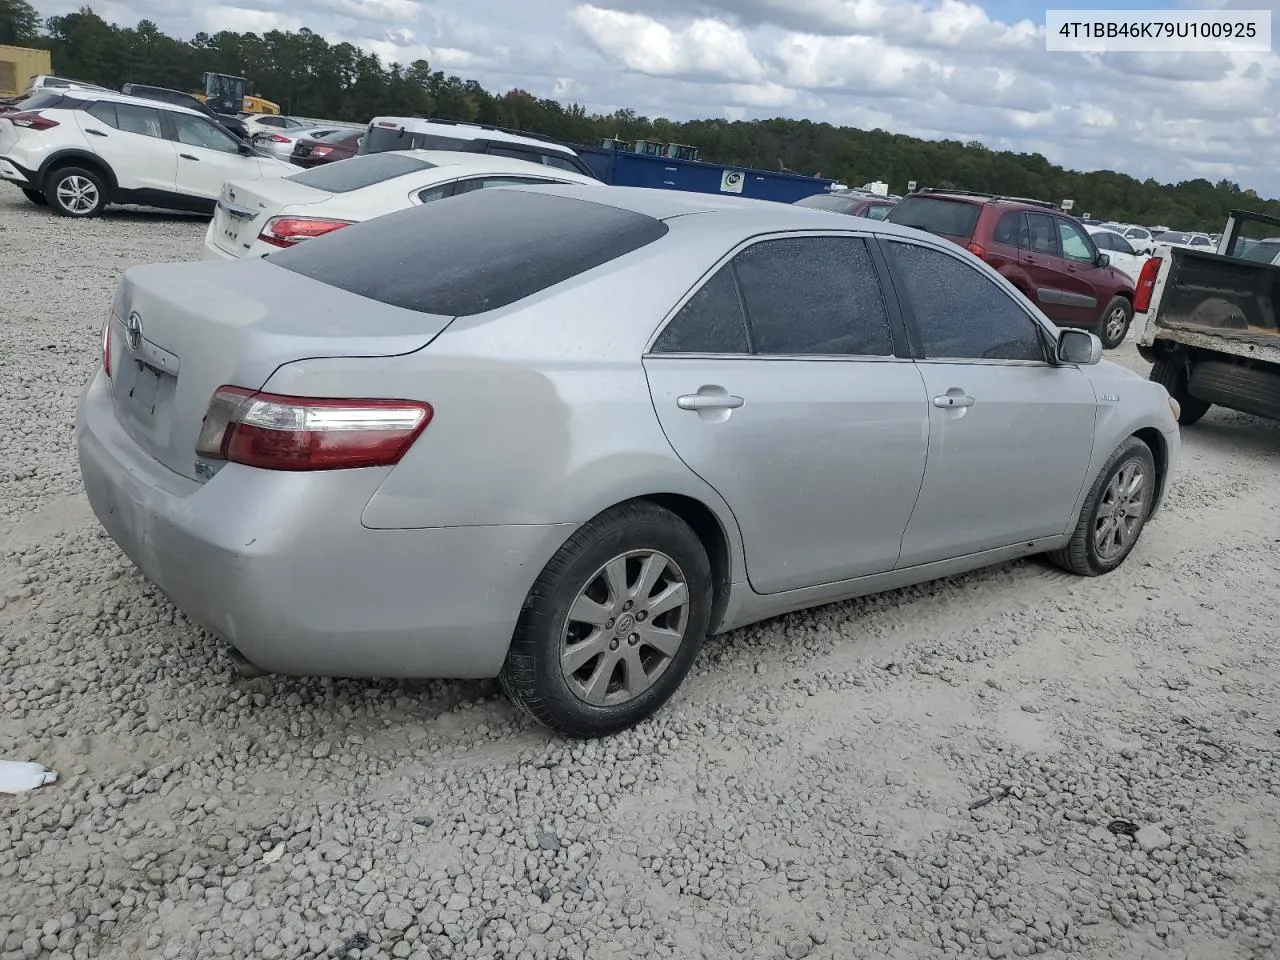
pixel 286 231
pixel 276 138
pixel 276 432
pixel 977 249
pixel 32 120
pixel 106 346
pixel 1146 285
pixel 321 151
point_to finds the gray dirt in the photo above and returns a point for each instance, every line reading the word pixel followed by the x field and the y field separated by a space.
pixel 1009 763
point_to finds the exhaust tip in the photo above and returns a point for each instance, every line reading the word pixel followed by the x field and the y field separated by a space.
pixel 245 667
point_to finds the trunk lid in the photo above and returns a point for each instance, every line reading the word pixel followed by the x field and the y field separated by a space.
pixel 205 325
pixel 245 206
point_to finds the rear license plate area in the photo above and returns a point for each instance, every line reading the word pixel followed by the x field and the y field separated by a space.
pixel 146 387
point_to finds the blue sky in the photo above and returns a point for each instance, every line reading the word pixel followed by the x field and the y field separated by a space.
pixel 959 69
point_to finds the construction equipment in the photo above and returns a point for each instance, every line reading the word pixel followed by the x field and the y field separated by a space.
pixel 18 65
pixel 224 93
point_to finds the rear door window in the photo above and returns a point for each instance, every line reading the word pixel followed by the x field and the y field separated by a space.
pixel 1042 234
pixel 711 321
pixel 1009 229
pixel 479 252
pixel 358 172
pixel 949 218
pixel 817 296
pixel 130 118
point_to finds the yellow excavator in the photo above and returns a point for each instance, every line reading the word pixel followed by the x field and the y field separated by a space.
pixel 224 93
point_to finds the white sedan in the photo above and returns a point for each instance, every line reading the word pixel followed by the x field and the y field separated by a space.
pixel 257 217
pixel 1119 251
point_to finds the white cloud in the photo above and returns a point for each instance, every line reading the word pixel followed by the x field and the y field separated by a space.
pixel 933 68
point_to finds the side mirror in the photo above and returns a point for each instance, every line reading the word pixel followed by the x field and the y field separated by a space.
pixel 1079 347
pixel 1104 260
pixel 246 149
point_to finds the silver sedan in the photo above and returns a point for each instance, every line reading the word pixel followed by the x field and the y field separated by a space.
pixel 561 438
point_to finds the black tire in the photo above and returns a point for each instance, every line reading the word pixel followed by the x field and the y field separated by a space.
pixel 36 197
pixel 1082 554
pixel 1113 325
pixel 1171 374
pixel 95 194
pixel 534 677
pixel 1248 389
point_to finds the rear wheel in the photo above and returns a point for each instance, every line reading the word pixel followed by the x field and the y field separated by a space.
pixel 1114 512
pixel 76 192
pixel 613 624
pixel 1115 322
pixel 36 197
pixel 1171 374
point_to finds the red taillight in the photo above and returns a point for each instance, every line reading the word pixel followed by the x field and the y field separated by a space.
pixel 32 120
pixel 286 231
pixel 977 249
pixel 1146 285
pixel 321 151
pixel 308 433
pixel 106 346
pixel 277 138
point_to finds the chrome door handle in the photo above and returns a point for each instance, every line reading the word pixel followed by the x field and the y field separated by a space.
pixel 709 401
pixel 948 402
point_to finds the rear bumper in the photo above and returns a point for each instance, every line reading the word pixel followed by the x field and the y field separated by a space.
pixel 280 566
pixel 211 251
pixel 15 172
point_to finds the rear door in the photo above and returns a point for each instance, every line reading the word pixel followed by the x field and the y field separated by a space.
pixel 131 139
pixel 798 412
pixel 208 156
pixel 1056 286
pixel 1010 435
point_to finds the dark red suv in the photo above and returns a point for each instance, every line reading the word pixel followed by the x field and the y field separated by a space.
pixel 1045 253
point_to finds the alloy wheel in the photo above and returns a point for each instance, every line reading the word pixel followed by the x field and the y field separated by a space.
pixel 1116 321
pixel 1121 512
pixel 624 627
pixel 78 194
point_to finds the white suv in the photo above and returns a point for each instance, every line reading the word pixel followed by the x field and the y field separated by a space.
pixel 417 133
pixel 78 150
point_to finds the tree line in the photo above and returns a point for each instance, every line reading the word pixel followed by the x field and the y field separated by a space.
pixel 308 76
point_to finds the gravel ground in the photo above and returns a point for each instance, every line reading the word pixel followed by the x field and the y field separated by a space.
pixel 955 768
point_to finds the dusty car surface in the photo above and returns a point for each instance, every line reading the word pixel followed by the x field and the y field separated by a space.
pixel 524 433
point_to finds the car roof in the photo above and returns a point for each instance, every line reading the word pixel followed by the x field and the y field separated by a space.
pixel 746 213
pixel 982 200
pixel 111 96
pixel 490 163
pixel 468 131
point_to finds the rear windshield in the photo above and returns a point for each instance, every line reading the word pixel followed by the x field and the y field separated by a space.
pixel 471 253
pixel 950 218
pixel 43 100
pixel 359 172
pixel 335 136
pixel 380 139
pixel 824 201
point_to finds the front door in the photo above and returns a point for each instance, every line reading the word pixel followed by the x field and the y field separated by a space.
pixel 797 411
pixel 208 157
pixel 1057 286
pixel 1010 435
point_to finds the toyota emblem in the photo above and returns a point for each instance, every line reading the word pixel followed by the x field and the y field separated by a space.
pixel 133 330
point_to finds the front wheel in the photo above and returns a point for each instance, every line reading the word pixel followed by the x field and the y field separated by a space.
pixel 613 624
pixel 1114 513
pixel 1115 322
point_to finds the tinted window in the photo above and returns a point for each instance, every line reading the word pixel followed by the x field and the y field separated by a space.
pixel 710 322
pixel 1137 233
pixel 813 295
pixel 879 212
pixel 379 139
pixel 531 156
pixel 1200 242
pixel 1042 234
pixel 960 313
pixel 436 193
pixel 1105 240
pixel 199 132
pixel 1120 244
pixel 1075 244
pixel 273 122
pixel 359 172
pixel 482 183
pixel 478 252
pixel 825 201
pixel 132 118
pixel 1009 229
pixel 952 218
pixel 45 100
